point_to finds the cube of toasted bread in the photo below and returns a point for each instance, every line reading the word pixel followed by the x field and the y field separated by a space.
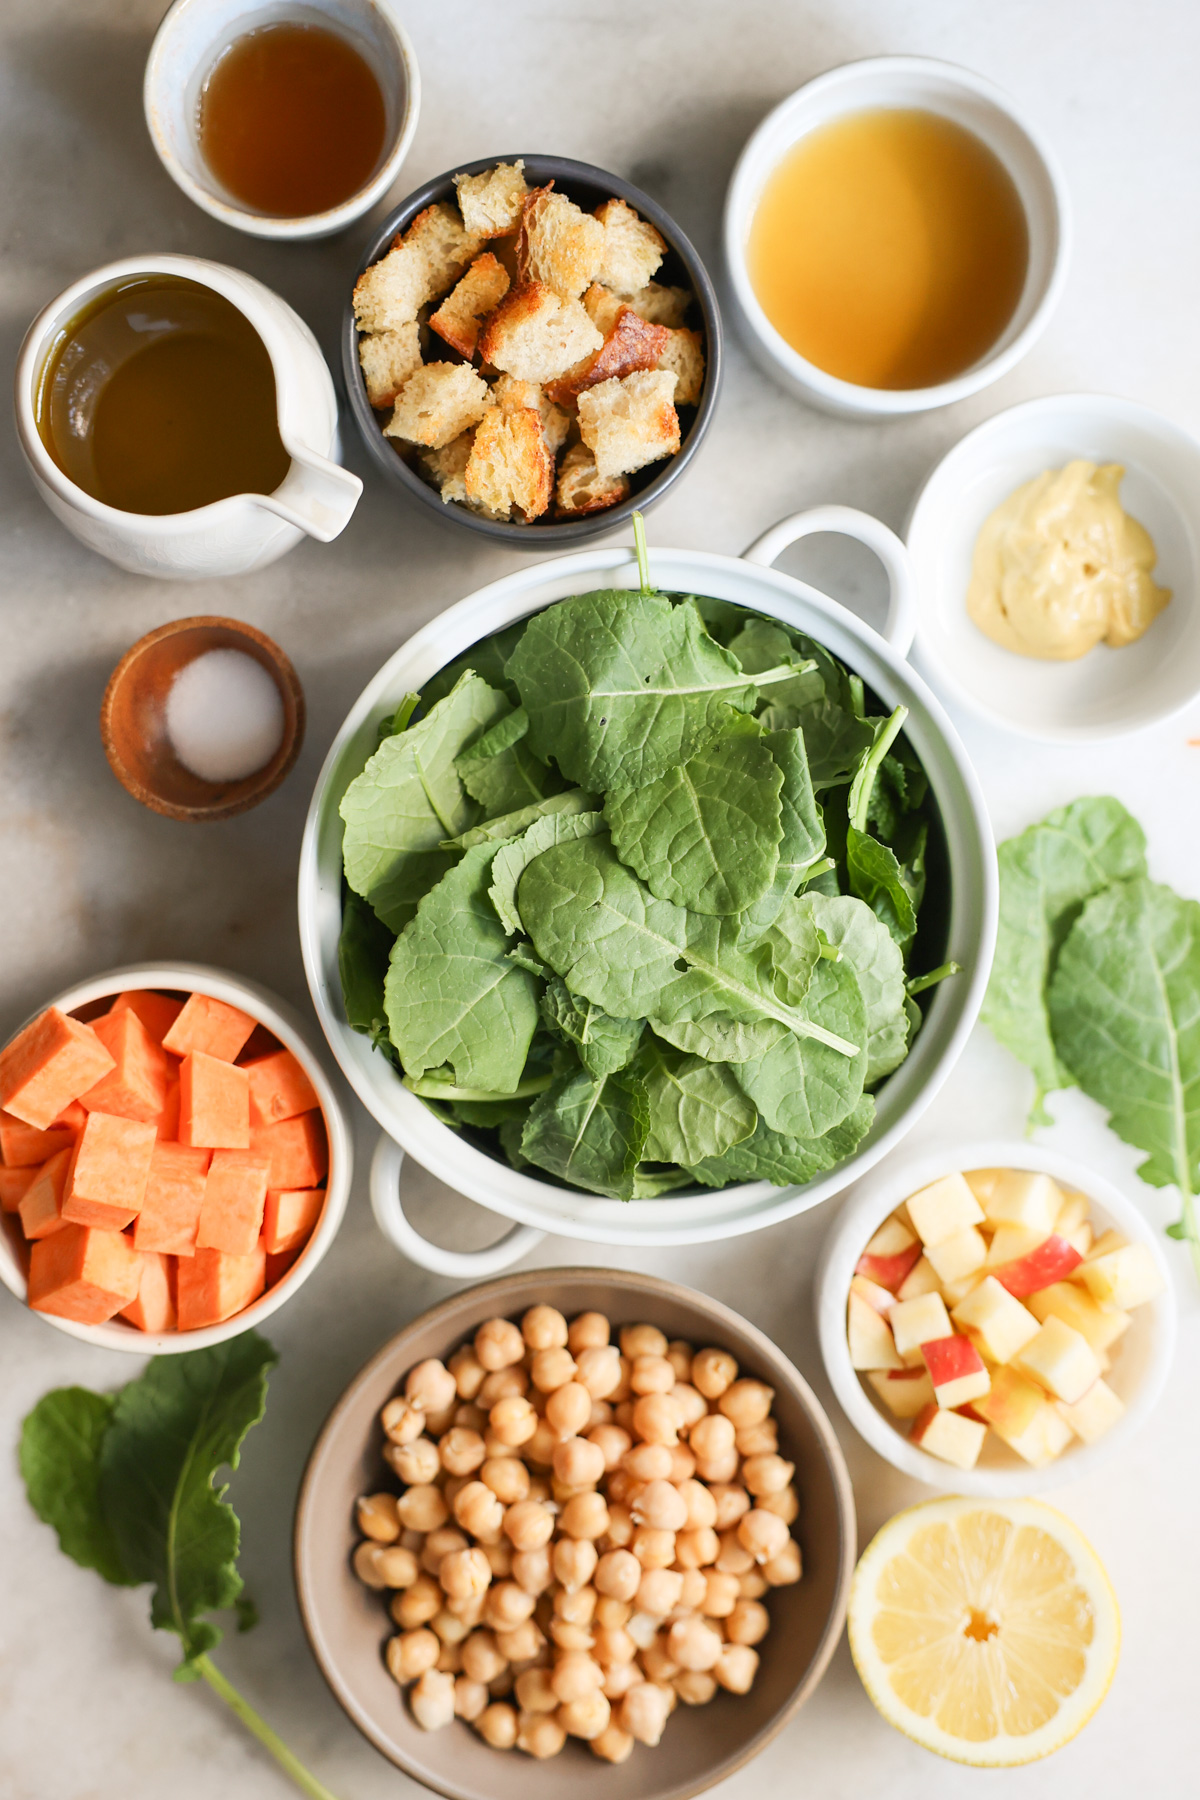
pixel 632 248
pixel 447 467
pixel 422 263
pixel 491 203
pixel 629 423
pixel 388 358
pixel 603 307
pixel 581 487
pixel 535 334
pixel 559 244
pixel 511 395
pixel 438 402
pixel 510 466
pixel 631 344
pixel 480 291
pixel 683 355
pixel 661 305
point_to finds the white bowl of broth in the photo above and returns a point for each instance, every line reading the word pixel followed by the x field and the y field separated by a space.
pixel 896 235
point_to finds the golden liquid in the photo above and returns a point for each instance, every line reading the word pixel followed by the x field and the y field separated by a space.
pixel 890 248
pixel 159 397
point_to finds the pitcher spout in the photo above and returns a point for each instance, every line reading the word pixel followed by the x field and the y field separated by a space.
pixel 316 495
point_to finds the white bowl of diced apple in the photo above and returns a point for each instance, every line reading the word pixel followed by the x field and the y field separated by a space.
pixel 995 1318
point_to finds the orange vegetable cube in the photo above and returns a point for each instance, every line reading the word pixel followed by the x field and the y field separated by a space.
pixel 209 1026
pixel 214 1103
pixel 158 1012
pixel 167 1122
pixel 49 1064
pixel 137 1087
pixel 153 1309
pixel 24 1147
pixel 234 1198
pixel 297 1149
pixel 42 1204
pixel 83 1273
pixel 289 1217
pixel 72 1118
pixel 278 1266
pixel 174 1195
pixel 106 1183
pixel 212 1286
pixel 14 1184
pixel 279 1088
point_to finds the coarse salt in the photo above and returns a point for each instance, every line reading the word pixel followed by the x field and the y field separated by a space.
pixel 224 716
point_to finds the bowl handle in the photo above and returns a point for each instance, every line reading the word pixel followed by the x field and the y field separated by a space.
pixel 386 1167
pixel 901 624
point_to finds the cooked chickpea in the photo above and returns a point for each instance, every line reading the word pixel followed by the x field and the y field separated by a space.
pixel 468 1372
pixel 766 1474
pixel 539 1490
pixel 568 1409
pixel 432 1700
pixel 697 1547
pixel 540 1735
pixel 422 1508
pixel 644 1712
pixel 653 1547
pixel 700 1504
pixel 365 1563
pixel 500 1557
pixel 754 1584
pixel 578 1462
pixel 642 1340
pixel 647 1462
pixel 721 1594
pixel 398 1567
pixel 522 1644
pixel 552 1369
pixel 601 1414
pixel 534 1692
pixel 418 1604
pixel 656 1419
pixel 660 1506
pixel 719 1470
pixel 470 1417
pixel 574 1562
pixel 586 1516
pixel 440 1543
pixel 410 1654
pixel 782 1570
pixel 512 1420
pixel 528 1525
pixel 736 1668
pixel 450 1628
pixel 431 1386
pixel 623 1412
pixel 570 1637
pixel 461 1451
pixel 377 1517
pixel 651 1375
pixel 613 1614
pixel 622 1391
pixel 612 1744
pixel 507 1477
pixel 465 1574
pixel 531 1570
pixel 746 1403
pixel 402 1421
pixel 623 1487
pixel 694 1686
pixel 732 1501
pixel 585 1718
pixel 733 1556
pixel 575 1675
pixel 539 1451
pixel 660 1591
pixel 785 1504
pixel 481 1657
pixel 613 1644
pixel 763 1534
pixel 747 1623
pixel 543 1328
pixel 618 1574
pixel 417 1464
pixel 713 1371
pixel 758 1440
pixel 504 1384
pixel 695 1586
pixel 478 1510
pixel 498 1343
pixel 693 1644
pixel 683 1464
pixel 497 1726
pixel 599 1370
pixel 449 1659
pixel 589 1331
pixel 620 1529
pixel 619 1677
pixel 711 1437
pixel 691 1403
pixel 468 1608
pixel 508 1605
pixel 438 1422
pixel 470 1698
pixel 657 1664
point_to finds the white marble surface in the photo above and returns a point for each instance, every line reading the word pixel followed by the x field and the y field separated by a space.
pixel 666 93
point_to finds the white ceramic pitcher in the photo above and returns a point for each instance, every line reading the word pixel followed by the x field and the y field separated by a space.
pixel 245 531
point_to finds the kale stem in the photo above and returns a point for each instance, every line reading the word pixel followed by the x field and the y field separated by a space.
pixel 643 555
pixel 308 1784
pixel 921 982
pixel 864 781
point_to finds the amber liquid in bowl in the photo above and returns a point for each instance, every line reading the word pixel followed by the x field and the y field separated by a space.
pixel 890 248
pixel 292 120
pixel 159 397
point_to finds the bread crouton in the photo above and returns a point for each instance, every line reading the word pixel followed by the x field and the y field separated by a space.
pixel 661 305
pixel 627 424
pixel 480 291
pixel 438 402
pixel 535 334
pixel 447 467
pixel 388 358
pixel 632 248
pixel 512 395
pixel 559 245
pixel 682 354
pixel 581 487
pixel 631 344
pixel 491 203
pixel 602 307
pixel 509 465
pixel 422 263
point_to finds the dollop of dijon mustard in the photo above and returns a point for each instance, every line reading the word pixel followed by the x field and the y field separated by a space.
pixel 1061 566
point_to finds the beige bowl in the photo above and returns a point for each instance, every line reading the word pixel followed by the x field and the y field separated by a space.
pixel 348 1625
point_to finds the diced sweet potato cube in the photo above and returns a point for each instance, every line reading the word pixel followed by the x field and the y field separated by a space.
pixel 297 1149
pixel 174 1195
pixel 49 1064
pixel 72 1118
pixel 278 1266
pixel 42 1203
pixel 153 1309
pixel 167 1122
pixel 137 1087
pixel 158 1012
pixel 83 1273
pixel 235 1196
pixel 289 1217
pixel 25 1147
pixel 106 1183
pixel 14 1184
pixel 210 1026
pixel 214 1103
pixel 212 1286
pixel 279 1088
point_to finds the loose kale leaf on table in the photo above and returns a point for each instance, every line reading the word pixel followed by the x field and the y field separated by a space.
pixel 60 1465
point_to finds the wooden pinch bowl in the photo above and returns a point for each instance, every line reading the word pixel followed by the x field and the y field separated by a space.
pixel 133 720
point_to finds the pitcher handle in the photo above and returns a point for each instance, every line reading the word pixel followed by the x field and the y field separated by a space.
pixel 901 623
pixel 386 1167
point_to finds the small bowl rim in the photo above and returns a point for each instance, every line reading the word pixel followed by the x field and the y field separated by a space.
pixel 271 1011
pixel 555 535
pixel 1174 436
pixel 652 1288
pixel 225 809
pixel 850 397
pixel 871 1202
pixel 263 225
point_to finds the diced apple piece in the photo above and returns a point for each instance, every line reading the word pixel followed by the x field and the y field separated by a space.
pixel 954 1291
pixel 956 1371
pixel 995 1321
pixel 1071 1303
pixel 1052 1261
pixel 920 1279
pixel 870 1337
pixel 873 1294
pixel 949 1436
pixel 1011 1242
pixel 917 1322
pixel 958 1255
pixel 1123 1278
pixel 1095 1414
pixel 889 1271
pixel 1021 1197
pixel 1061 1359
pixel 981 1182
pixel 1022 1417
pixel 1107 1242
pixel 1075 1210
pixel 943 1208
pixel 905 1392
pixel 892 1239
pixel 1078 1236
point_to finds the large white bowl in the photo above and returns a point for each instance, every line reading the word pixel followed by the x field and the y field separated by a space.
pixel 278 1017
pixel 1141 1359
pixel 539 1205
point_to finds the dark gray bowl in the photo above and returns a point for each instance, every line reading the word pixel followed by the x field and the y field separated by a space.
pixel 681 267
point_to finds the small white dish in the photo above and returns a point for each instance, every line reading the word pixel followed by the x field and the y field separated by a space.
pixel 926 84
pixel 186 46
pixel 1141 1360
pixel 279 1018
pixel 1107 692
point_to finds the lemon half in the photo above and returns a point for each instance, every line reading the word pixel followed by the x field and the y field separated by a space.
pixel 985 1630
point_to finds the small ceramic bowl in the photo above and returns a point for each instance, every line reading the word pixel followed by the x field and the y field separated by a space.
pixel 347 1623
pixel 285 1024
pixel 1141 1359
pixel 924 84
pixel 133 720
pixel 588 186
pixel 1107 692
pixel 194 34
